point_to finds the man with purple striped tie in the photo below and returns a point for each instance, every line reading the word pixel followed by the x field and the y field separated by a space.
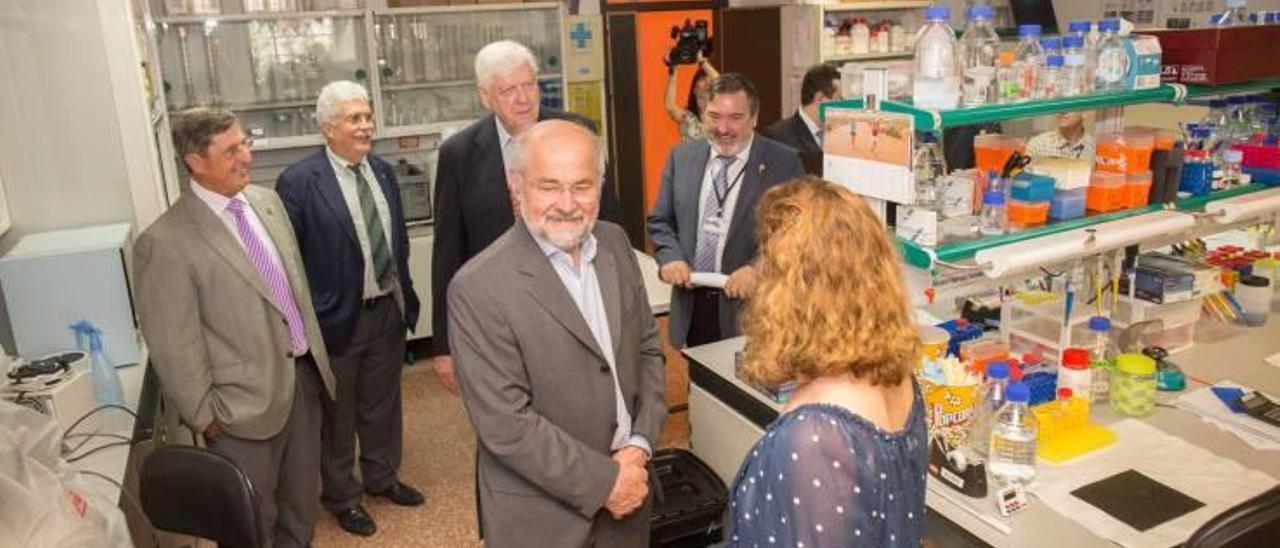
pixel 704 218
pixel 226 312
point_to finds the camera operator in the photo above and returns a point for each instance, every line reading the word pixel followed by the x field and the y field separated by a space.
pixel 692 44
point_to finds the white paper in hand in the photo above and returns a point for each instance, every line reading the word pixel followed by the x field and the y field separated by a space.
pixel 709 279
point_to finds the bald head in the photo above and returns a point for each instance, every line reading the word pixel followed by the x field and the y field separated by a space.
pixel 555 169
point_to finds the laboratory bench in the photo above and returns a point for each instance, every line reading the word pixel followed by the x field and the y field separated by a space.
pixel 727 416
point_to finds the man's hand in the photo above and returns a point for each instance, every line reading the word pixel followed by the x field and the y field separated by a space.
pixel 630 489
pixel 212 431
pixel 443 364
pixel 631 455
pixel 741 283
pixel 676 273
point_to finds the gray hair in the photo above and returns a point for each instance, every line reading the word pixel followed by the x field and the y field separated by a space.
pixel 517 159
pixel 194 129
pixel 500 58
pixel 336 93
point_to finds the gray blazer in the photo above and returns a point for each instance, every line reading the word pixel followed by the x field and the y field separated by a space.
pixel 673 222
pixel 217 338
pixel 539 391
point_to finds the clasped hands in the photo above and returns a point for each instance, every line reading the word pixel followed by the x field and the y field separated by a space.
pixel 631 487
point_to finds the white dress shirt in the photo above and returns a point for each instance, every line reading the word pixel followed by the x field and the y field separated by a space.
pixel 349 186
pixel 731 200
pixel 584 287
pixel 812 125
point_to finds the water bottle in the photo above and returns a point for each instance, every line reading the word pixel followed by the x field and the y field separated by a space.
pixel 1113 62
pixel 106 381
pixel 1237 15
pixel 988 400
pixel 1029 60
pixel 992 218
pixel 1012 455
pixel 1101 358
pixel 1075 80
pixel 979 46
pixel 928 165
pixel 937 82
pixel 1052 78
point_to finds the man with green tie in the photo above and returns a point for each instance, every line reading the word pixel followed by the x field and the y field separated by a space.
pixel 345 207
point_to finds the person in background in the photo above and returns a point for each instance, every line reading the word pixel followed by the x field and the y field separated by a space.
pixel 473 205
pixel 226 312
pixel 689 117
pixel 844 463
pixel 1068 139
pixel 559 358
pixel 703 219
pixel 802 131
pixel 345 206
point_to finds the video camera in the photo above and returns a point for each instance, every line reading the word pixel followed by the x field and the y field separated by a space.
pixel 690 39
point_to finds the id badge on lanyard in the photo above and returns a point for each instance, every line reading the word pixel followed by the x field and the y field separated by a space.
pixel 716 224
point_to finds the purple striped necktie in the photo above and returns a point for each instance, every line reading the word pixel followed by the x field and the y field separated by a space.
pixel 276 281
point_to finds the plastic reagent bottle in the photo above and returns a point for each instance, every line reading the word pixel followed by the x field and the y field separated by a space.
pixel 1052 78
pixel 1113 61
pixel 1101 358
pixel 1028 60
pixel 989 399
pixel 993 214
pixel 979 48
pixel 1075 80
pixel 1012 455
pixel 937 82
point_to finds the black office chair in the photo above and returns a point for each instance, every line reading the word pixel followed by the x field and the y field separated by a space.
pixel 1254 522
pixel 193 491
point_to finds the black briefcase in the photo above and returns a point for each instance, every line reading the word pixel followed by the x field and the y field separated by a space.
pixel 688 502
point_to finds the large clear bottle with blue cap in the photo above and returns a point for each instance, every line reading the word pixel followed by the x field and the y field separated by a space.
pixel 106 381
pixel 1011 458
pixel 936 82
pixel 1028 61
pixel 1113 59
pixel 979 50
pixel 988 400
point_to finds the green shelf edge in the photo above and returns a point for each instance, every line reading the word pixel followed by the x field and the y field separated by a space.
pixel 922 257
pixel 924 120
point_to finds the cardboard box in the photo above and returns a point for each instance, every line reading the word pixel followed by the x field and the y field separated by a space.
pixel 1144 62
pixel 1216 56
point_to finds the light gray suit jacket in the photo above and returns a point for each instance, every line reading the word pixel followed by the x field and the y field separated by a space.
pixel 218 340
pixel 540 394
pixel 673 222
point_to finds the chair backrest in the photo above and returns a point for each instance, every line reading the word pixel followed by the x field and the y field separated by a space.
pixel 197 492
pixel 1254 522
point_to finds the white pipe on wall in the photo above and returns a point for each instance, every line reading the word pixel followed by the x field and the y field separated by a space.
pixel 1023 257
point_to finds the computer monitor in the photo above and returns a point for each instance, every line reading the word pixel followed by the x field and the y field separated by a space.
pixel 1035 12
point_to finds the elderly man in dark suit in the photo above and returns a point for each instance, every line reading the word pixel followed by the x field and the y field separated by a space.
pixel 559 359
pixel 225 309
pixel 344 203
pixel 704 218
pixel 472 204
pixel 803 130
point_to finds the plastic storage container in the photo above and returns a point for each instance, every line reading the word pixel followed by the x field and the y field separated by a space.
pixel 1025 214
pixel 1029 187
pixel 1106 191
pixel 1074 373
pixel 1127 152
pixel 1137 190
pixel 1133 385
pixel 1067 204
pixel 992 151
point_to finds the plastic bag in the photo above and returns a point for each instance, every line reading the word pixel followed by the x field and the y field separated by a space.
pixel 44 501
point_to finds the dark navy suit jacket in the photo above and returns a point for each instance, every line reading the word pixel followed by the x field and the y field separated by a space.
pixel 330 249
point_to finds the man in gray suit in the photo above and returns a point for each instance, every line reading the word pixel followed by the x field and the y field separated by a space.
pixel 227 315
pixel 704 218
pixel 558 358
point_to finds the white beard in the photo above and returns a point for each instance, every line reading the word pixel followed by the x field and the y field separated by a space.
pixel 568 241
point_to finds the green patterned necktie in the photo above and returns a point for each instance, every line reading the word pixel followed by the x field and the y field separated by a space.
pixel 378 248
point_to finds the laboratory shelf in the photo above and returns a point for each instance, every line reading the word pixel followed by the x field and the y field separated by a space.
pixel 926 257
pixel 868 56
pixel 929 120
pixel 876 5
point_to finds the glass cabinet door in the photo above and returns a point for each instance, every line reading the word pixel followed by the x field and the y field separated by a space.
pixel 426 58
pixel 267 69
